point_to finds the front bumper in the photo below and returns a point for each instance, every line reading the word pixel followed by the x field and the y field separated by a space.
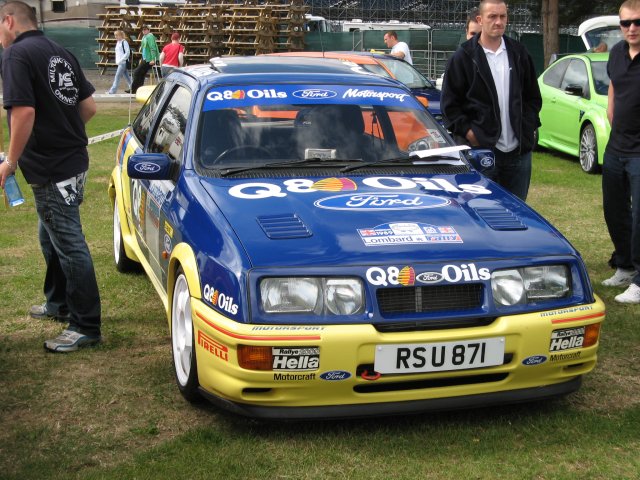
pixel 349 351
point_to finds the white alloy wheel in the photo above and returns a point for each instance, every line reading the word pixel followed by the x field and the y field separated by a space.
pixel 589 150
pixel 123 263
pixel 182 339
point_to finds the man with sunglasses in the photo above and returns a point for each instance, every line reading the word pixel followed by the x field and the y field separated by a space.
pixel 621 169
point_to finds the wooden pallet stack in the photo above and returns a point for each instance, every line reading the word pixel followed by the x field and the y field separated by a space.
pixel 242 27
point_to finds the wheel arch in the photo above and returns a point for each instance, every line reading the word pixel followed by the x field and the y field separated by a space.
pixel 114 190
pixel 600 124
pixel 182 256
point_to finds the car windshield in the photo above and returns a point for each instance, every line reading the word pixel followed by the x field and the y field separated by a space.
pixel 291 124
pixel 405 73
pixel 600 77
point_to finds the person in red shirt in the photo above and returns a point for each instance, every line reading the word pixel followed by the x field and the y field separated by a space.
pixel 172 55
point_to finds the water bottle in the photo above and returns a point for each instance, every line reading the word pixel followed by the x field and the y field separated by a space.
pixel 12 194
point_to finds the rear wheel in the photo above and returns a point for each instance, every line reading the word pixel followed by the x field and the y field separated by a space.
pixel 182 340
pixel 123 263
pixel 589 150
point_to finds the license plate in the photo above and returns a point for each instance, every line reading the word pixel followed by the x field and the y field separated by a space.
pixel 439 357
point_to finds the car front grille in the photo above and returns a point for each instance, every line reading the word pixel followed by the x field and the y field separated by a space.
pixel 428 299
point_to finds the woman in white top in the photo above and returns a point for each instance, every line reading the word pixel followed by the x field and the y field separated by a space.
pixel 123 54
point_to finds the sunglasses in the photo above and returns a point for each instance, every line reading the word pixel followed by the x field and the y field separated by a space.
pixel 627 23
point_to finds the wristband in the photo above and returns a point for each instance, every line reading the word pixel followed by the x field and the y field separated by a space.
pixel 11 166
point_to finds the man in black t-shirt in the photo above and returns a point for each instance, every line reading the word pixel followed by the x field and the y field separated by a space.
pixel 48 101
pixel 621 169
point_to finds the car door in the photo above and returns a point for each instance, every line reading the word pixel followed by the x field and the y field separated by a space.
pixel 550 90
pixel 570 106
pixel 152 199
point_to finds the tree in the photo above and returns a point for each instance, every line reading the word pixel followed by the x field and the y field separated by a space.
pixel 550 28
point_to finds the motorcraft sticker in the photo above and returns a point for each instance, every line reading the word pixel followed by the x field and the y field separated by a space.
pixel 406 233
pixel 266 95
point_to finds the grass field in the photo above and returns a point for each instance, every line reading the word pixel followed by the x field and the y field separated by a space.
pixel 115 412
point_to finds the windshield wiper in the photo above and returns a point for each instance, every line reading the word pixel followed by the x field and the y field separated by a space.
pixel 316 161
pixel 411 160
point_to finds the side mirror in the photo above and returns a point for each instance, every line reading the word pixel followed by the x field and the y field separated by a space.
pixel 481 159
pixel 149 166
pixel 575 90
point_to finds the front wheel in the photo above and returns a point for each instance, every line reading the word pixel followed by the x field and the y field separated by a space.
pixel 182 340
pixel 589 150
pixel 123 263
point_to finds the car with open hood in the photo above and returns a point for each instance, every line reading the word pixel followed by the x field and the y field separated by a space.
pixel 323 249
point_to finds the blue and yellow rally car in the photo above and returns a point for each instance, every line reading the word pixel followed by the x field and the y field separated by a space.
pixel 323 249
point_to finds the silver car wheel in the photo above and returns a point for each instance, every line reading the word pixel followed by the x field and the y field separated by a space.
pixel 589 150
pixel 182 331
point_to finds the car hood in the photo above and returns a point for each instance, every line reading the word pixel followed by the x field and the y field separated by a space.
pixel 357 220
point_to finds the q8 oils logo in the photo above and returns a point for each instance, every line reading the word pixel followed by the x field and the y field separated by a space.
pixel 335 185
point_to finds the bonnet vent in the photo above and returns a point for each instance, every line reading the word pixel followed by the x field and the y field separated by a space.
pixel 278 227
pixel 500 218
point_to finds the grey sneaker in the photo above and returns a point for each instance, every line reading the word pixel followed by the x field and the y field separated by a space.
pixel 70 341
pixel 622 278
pixel 630 295
pixel 39 312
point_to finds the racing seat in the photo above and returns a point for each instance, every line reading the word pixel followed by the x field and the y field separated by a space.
pixel 330 127
pixel 220 131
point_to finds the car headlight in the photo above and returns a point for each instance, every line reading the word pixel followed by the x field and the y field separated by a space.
pixel 316 295
pixel 528 285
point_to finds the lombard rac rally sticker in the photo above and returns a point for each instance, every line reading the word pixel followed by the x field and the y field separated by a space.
pixel 407 234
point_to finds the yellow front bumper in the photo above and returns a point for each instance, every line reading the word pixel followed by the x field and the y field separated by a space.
pixel 351 349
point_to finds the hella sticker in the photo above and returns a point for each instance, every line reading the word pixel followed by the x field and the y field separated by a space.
pixel 381 201
pixel 534 360
pixel 314 94
pixel 335 375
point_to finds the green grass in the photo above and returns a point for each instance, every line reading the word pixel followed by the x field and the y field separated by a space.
pixel 114 411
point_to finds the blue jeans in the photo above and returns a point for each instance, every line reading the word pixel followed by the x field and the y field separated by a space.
pixel 621 202
pixel 512 171
pixel 70 280
pixel 120 72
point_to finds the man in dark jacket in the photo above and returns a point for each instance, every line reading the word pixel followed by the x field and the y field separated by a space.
pixel 491 99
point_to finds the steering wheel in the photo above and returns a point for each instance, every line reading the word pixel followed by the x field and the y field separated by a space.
pixel 261 151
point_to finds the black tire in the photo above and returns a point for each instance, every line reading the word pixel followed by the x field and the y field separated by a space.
pixel 123 263
pixel 183 340
pixel 588 152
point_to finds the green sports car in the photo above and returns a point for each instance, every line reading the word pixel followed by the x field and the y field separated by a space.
pixel 574 108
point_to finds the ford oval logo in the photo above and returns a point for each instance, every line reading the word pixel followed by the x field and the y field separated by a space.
pixel 146 167
pixel 381 201
pixel 429 277
pixel 335 375
pixel 534 360
pixel 314 94
pixel 486 162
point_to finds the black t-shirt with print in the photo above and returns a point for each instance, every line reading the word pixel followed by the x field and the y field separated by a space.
pixel 39 73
